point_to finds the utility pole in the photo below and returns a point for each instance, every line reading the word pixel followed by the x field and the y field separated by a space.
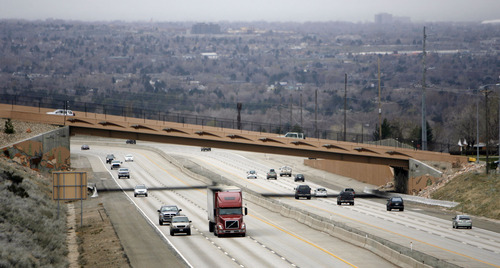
pixel 301 110
pixel 379 106
pixel 487 131
pixel 291 115
pixel 316 113
pixel 345 107
pixel 279 112
pixel 238 106
pixel 477 127
pixel 424 123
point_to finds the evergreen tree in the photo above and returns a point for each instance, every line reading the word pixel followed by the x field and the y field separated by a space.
pixel 386 131
pixel 9 128
pixel 416 134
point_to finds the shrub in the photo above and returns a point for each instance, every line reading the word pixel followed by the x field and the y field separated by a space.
pixel 31 233
pixel 9 127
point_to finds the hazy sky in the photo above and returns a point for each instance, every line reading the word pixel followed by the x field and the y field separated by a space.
pixel 249 10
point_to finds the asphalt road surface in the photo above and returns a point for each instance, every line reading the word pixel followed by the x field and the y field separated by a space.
pixel 272 240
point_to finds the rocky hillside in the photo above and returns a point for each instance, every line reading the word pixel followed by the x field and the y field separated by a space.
pixel 22 131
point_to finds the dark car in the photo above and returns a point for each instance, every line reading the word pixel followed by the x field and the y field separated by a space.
pixel 303 191
pixel 345 197
pixel 350 190
pixel 299 177
pixel 395 203
pixel 130 142
pixel 109 158
pixel 165 213
pixel 206 149
pixel 85 147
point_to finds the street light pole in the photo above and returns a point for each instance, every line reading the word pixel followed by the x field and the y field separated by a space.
pixel 424 121
pixel 477 129
pixel 345 107
pixel 487 130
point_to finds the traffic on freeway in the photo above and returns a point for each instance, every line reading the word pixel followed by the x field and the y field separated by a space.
pixel 272 239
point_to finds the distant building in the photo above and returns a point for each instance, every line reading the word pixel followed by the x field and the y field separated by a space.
pixel 383 18
pixel 386 18
pixel 203 28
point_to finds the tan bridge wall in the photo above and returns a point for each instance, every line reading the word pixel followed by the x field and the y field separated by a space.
pixel 374 174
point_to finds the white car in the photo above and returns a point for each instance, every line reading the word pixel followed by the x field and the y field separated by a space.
pixel 62 112
pixel 129 157
pixel 252 174
pixel 320 192
pixel 116 164
pixel 140 189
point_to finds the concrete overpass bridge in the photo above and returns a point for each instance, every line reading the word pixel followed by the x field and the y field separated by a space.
pixel 372 164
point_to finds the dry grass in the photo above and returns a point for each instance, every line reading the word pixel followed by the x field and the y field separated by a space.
pixel 99 245
pixel 478 194
pixel 32 232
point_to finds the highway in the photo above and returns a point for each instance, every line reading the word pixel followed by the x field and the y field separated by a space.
pixel 273 240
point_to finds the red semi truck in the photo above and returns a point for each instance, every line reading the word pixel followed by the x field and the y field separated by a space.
pixel 225 210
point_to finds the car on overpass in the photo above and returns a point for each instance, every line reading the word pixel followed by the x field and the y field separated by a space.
pixel 62 112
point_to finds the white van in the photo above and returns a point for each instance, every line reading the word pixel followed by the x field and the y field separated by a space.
pixel 62 112
pixel 294 135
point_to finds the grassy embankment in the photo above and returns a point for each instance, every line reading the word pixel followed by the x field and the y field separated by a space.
pixel 31 233
pixel 478 194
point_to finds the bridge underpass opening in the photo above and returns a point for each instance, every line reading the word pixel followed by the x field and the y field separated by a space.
pixel 400 180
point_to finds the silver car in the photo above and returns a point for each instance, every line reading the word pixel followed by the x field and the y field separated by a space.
pixel 123 173
pixel 141 189
pixel 462 221
pixel 180 224
pixel 320 192
pixel 251 174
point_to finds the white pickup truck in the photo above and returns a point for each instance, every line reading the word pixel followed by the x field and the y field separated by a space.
pixel 285 171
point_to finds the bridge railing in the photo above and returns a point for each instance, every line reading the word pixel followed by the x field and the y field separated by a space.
pixel 62 102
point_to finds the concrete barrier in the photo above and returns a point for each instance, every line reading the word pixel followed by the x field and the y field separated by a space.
pixel 416 199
